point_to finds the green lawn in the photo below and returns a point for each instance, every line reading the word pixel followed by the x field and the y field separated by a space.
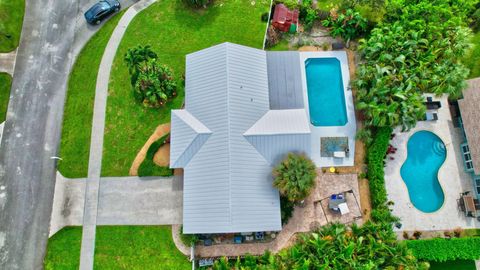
pixel 63 249
pixel 280 46
pixel 453 265
pixel 472 59
pixel 5 85
pixel 11 19
pixel 173 30
pixel 77 119
pixel 118 247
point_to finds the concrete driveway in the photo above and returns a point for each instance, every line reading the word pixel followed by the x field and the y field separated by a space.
pixel 32 130
pixel 122 201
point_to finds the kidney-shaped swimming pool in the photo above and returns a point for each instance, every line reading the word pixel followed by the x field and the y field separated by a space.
pixel 426 153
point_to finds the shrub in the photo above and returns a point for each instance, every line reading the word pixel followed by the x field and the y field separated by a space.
pixel 197 3
pixel 264 17
pixel 307 15
pixel 188 239
pixel 442 249
pixel 417 234
pixel 295 177
pixel 155 84
pixel 458 232
pixel 291 4
pixel 348 24
pixel 286 209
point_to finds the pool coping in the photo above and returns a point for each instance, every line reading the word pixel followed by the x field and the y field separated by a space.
pixel 447 152
pixel 317 132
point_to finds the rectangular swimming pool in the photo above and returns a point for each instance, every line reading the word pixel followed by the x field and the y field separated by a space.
pixel 326 99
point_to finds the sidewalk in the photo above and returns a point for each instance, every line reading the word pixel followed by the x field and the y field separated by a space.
pixel 7 62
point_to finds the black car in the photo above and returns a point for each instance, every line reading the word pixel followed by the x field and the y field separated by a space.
pixel 101 10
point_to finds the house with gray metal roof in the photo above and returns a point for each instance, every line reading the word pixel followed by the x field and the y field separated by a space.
pixel 470 114
pixel 233 130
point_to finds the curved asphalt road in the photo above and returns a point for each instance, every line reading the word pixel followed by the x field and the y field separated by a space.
pixel 53 32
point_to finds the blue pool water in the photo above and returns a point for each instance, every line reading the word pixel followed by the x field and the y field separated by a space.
pixel 425 155
pixel 326 99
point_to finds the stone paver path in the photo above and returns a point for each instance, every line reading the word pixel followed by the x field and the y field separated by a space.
pixel 304 219
pixel 7 62
pixel 96 145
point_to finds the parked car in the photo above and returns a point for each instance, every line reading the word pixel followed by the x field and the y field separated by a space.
pixel 101 10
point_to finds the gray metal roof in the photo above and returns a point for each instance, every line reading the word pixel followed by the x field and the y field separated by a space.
pixel 285 80
pixel 279 132
pixel 227 177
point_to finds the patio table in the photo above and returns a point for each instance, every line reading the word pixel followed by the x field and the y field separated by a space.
pixel 469 204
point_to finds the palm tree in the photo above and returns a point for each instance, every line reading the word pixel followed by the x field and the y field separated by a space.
pixel 295 177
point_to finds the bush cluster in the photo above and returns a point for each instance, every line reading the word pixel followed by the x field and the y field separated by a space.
pixel 442 249
pixel 153 83
pixel 335 246
pixel 416 50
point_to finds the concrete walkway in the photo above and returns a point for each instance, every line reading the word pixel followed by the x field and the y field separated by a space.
pixel 7 62
pixel 121 201
pixel 96 146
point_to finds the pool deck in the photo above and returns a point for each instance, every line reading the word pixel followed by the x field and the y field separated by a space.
pixel 349 130
pixel 451 175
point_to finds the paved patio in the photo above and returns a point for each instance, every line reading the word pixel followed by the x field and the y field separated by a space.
pixel 451 176
pixel 304 219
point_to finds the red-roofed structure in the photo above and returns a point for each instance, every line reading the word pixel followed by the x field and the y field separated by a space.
pixel 284 18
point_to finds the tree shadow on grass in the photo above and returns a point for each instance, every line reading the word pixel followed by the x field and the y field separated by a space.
pixel 196 18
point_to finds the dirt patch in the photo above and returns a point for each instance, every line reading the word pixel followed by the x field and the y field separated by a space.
pixel 365 202
pixel 162 157
pixel 308 49
pixel 159 132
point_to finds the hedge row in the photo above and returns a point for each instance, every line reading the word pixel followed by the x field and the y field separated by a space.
pixel 442 249
pixel 375 160
pixel 375 171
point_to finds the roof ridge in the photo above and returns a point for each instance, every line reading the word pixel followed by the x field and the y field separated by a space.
pixel 227 59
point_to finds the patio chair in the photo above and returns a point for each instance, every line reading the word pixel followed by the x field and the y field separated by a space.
pixel 429 116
